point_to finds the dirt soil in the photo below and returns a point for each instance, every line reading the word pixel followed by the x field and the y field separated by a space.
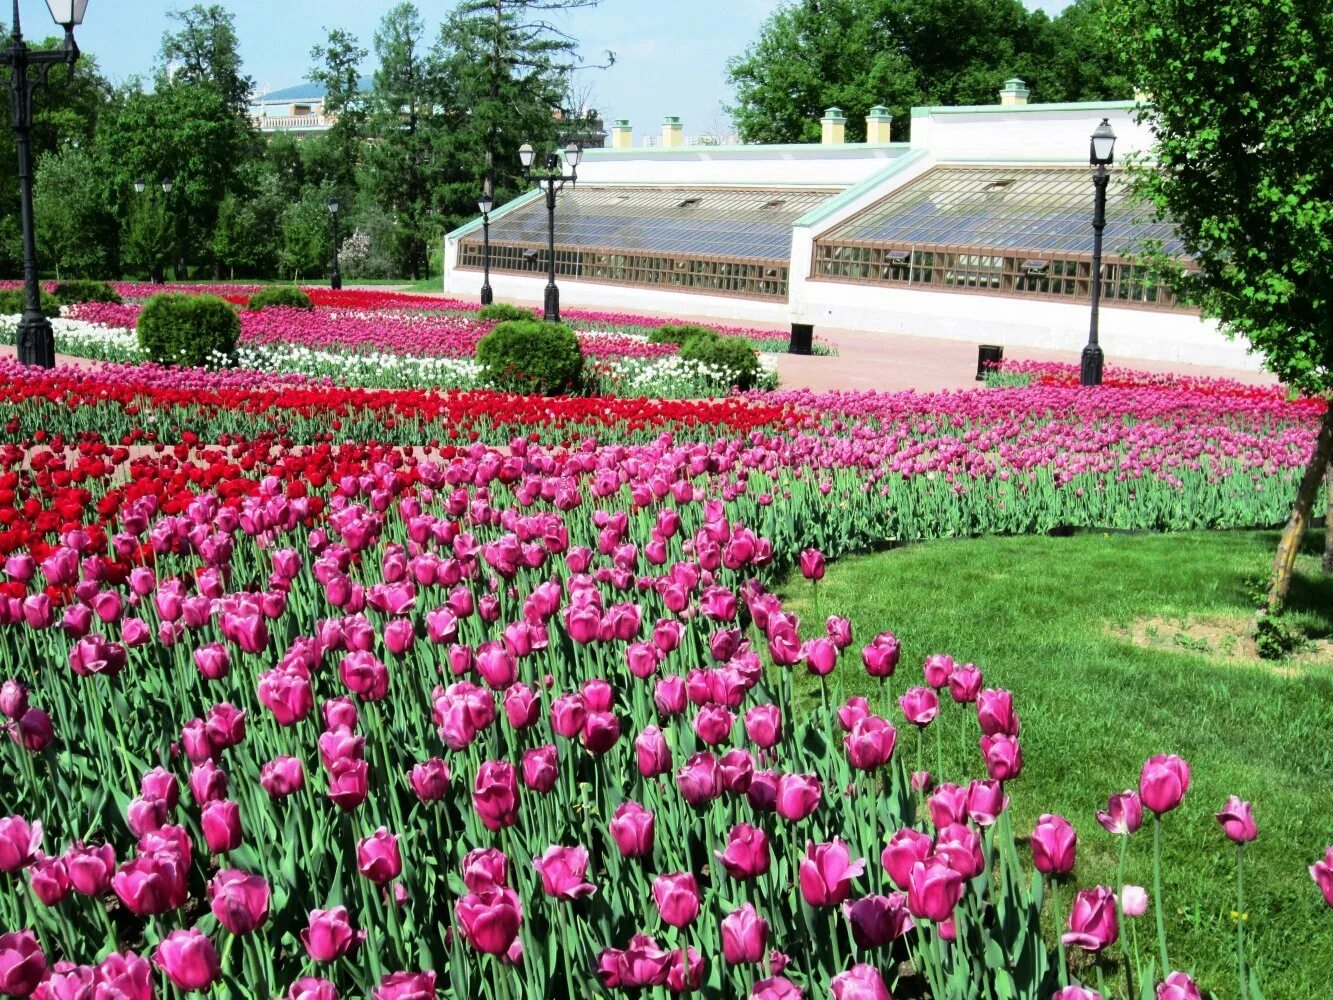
pixel 1226 637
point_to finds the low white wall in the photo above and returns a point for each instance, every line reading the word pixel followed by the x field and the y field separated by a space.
pixel 1127 334
pixel 809 166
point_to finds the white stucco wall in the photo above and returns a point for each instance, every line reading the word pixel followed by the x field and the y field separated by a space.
pixel 772 166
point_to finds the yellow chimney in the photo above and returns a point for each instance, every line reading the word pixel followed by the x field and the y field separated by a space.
pixel 673 133
pixel 1014 93
pixel 833 127
pixel 877 125
pixel 622 136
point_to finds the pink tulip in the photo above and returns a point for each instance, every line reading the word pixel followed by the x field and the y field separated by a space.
pixel 860 982
pixel 312 988
pixel 601 731
pixel 1076 993
pixel 933 890
pixel 1053 841
pixel 839 630
pixel 960 847
pixel 490 919
pixel 1237 819
pixel 212 661
pixel 33 731
pixel 286 692
pixel 399 635
pixel 189 959
pixel 669 695
pixel 1178 986
pixel 677 898
pixel 699 781
pixel 1123 815
pixel 877 921
pixel 19 843
pixel 812 564
pixel 776 988
pixel 239 900
pixel 985 802
pixel 145 815
pixel 339 713
pixel 522 706
pixel 920 706
pixel 763 726
pixel 652 753
pixel 221 822
pixel 821 656
pixel 965 684
pixel 798 796
pixel 406 986
pixel 1163 783
pixel 365 676
pixel 495 794
pixel 329 935
pixel 685 971
pixel 208 782
pixel 938 669
pixel 496 666
pixel 713 724
pixel 853 711
pixel 744 936
pixel 13 699
pixel 160 783
pixel 568 713
pixel 378 858
pixel 904 849
pixel 282 776
pixel 1322 873
pixel 22 963
pixel 746 855
pixel 995 713
pixel 1003 755
pixel 563 871
pixel 49 880
pixel 826 873
pixel 90 868
pixel 880 658
pixel 1133 901
pixel 640 965
pixel 947 804
pixel 1092 922
pixel 484 868
pixel 541 768
pixel 632 829
pixel 870 743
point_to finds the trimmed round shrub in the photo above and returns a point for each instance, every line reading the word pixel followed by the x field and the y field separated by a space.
pixel 11 303
pixel 530 356
pixel 732 354
pixel 69 292
pixel 683 334
pixel 284 296
pixel 503 312
pixel 191 330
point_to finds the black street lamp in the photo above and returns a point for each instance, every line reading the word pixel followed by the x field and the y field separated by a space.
pixel 335 273
pixel 155 270
pixel 1100 155
pixel 486 203
pixel 553 181
pixel 36 340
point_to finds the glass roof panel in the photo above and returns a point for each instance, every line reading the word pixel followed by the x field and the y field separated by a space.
pixel 1011 208
pixel 751 223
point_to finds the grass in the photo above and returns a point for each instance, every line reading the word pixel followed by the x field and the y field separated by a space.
pixel 1049 619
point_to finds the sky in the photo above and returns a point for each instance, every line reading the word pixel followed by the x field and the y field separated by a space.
pixel 670 54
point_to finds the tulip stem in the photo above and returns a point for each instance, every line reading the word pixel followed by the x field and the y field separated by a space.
pixel 1157 890
pixel 833 937
pixel 1120 911
pixel 1059 929
pixel 1240 919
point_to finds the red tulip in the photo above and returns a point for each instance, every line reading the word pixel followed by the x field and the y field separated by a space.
pixel 677 898
pixel 239 900
pixel 632 829
pixel 1053 841
pixel 1237 819
pixel 377 857
pixel 562 870
pixel 329 935
pixel 1092 922
pixel 1163 783
pixel 826 873
pixel 189 959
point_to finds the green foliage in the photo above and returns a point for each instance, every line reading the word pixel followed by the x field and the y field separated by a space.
pixel 69 292
pixel 283 296
pixel 532 357
pixel 503 312
pixel 11 303
pixel 307 235
pixel 673 334
pixel 732 354
pixel 338 67
pixel 205 52
pixel 76 232
pixel 854 54
pixel 1242 100
pixel 191 330
pixel 1277 636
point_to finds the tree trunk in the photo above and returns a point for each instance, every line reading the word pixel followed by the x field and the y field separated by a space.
pixel 1328 519
pixel 1301 510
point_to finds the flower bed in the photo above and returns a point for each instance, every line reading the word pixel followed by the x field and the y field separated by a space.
pixel 381 722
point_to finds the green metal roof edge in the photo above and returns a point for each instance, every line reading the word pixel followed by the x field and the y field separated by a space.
pixel 605 153
pixel 505 209
pixel 998 109
pixel 827 208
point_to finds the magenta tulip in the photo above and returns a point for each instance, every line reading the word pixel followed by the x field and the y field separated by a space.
pixel 713 724
pixel 563 871
pixel 677 898
pixel 985 802
pixel 495 794
pixel 49 880
pixel 826 873
pixel 853 711
pixel 904 849
pixel 812 564
pixel 90 868
pixel 329 935
pixel 490 919
pixel 744 936
pixel 19 843
pixel 746 855
pixel 312 988
pixel 189 959
pixel 1237 819
pixel 870 743
pixel 1053 841
pixel 160 783
pixel 965 684
pixel 378 858
pixel 1123 815
pixel 881 657
pixel 221 822
pixel 22 963
pixel 699 781
pixel 208 782
pixel 1003 755
pixel 1178 986
pixel 877 921
pixel 947 804
pixel 763 726
pixel 282 776
pixel 995 713
pixel 1092 922
pixel 406 986
pixel 776 988
pixel 798 796
pixel 632 828
pixel 920 705
pixel 1164 782
pixel 1322 873
pixel 860 982
pixel 652 752
pixel 239 900
pixel 933 890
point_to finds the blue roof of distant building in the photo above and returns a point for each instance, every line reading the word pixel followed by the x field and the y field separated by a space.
pixel 304 92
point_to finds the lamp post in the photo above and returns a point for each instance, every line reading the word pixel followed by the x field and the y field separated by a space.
pixel 155 274
pixel 1100 155
pixel 335 273
pixel 36 340
pixel 486 203
pixel 553 181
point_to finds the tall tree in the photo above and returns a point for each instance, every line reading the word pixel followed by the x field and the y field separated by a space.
pixel 338 68
pixel 509 67
pixel 76 231
pixel 405 115
pixel 204 50
pixel 1242 97
pixel 854 54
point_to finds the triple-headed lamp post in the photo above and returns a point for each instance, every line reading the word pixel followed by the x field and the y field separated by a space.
pixel 553 180
pixel 486 203
pixel 1101 153
pixel 335 272
pixel 36 340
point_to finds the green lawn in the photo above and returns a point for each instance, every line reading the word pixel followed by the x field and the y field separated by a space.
pixel 1049 618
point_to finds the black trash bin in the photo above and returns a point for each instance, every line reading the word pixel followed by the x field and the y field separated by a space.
pixel 988 356
pixel 802 338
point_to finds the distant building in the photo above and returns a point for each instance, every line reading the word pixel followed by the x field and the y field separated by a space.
pixel 298 109
pixel 978 228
